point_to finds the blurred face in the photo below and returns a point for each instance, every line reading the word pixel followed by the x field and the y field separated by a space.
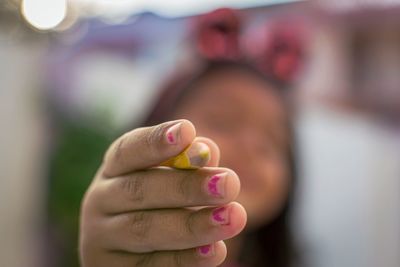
pixel 241 113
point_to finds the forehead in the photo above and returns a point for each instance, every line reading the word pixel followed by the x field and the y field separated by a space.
pixel 240 98
pixel 238 90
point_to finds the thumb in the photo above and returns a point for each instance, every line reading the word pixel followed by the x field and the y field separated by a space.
pixel 148 147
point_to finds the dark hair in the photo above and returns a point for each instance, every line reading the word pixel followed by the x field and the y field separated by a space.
pixel 271 244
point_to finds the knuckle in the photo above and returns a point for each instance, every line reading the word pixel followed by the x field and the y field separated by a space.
pixel 133 187
pixel 139 226
pixel 182 188
pixel 177 259
pixel 190 224
pixel 154 136
pixel 145 260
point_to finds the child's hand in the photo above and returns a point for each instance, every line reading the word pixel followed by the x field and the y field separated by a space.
pixel 136 213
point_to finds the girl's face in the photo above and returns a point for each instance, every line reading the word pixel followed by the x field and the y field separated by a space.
pixel 244 116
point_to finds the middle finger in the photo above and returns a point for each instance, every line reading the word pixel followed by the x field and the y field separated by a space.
pixel 161 187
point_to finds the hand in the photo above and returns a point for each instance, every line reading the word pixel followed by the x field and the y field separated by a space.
pixel 138 213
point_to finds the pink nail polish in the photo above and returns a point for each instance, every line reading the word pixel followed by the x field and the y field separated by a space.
pixel 220 216
pixel 215 185
pixel 172 134
pixel 206 251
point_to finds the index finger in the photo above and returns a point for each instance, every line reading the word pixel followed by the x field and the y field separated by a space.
pixel 147 147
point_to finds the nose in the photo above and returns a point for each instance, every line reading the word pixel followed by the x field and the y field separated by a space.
pixel 249 143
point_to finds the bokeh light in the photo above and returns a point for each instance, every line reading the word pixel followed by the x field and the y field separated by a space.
pixel 44 14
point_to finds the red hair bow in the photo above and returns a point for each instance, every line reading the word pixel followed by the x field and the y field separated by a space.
pixel 218 34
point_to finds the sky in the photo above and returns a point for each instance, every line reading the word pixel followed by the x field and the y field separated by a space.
pixel 176 7
pixel 48 14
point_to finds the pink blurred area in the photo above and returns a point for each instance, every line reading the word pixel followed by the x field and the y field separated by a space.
pixel 340 62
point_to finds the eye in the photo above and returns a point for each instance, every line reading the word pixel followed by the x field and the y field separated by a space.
pixel 223 124
pixel 265 149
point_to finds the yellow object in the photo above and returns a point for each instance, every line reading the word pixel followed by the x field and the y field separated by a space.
pixel 193 157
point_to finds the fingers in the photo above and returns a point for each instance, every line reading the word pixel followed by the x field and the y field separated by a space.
pixel 166 188
pixel 208 255
pixel 202 152
pixel 196 155
pixel 145 206
pixel 205 256
pixel 214 150
pixel 147 147
pixel 174 229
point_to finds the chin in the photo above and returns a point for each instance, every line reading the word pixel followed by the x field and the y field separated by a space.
pixel 258 214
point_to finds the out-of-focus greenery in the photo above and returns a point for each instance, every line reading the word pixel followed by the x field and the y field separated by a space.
pixel 77 154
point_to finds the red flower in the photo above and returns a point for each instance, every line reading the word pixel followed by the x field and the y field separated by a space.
pixel 217 35
pixel 283 50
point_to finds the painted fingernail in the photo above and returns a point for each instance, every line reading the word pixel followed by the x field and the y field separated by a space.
pixel 220 216
pixel 206 251
pixel 172 134
pixel 215 185
pixel 198 154
pixel 195 156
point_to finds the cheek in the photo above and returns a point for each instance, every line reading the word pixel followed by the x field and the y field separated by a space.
pixel 266 199
pixel 227 144
pixel 276 179
pixel 272 183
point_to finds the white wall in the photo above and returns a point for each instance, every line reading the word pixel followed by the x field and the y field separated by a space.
pixel 22 150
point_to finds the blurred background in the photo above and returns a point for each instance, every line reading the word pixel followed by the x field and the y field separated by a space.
pixel 75 74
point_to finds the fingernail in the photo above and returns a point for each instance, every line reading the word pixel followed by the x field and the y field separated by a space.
pixel 172 134
pixel 206 251
pixel 220 216
pixel 195 156
pixel 215 185
pixel 198 154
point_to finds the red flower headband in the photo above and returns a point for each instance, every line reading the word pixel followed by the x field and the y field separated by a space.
pixel 276 49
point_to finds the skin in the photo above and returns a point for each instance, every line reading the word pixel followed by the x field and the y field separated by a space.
pixel 136 213
pixel 245 117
